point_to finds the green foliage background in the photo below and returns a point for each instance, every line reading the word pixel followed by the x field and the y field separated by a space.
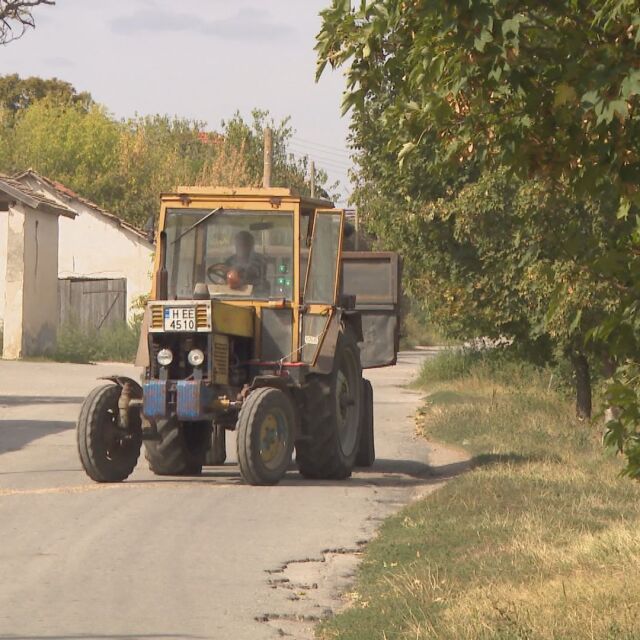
pixel 497 151
pixel 123 165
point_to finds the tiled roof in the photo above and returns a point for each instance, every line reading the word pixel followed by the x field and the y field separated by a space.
pixel 69 194
pixel 15 190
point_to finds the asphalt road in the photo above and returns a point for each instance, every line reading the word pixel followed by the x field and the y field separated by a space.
pixel 182 558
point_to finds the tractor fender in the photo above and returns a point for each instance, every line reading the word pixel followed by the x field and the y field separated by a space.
pixel 136 389
pixel 353 319
pixel 342 317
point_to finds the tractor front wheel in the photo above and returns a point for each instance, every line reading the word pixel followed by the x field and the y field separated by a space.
pixel 265 436
pixel 108 451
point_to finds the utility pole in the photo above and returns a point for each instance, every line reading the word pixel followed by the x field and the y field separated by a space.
pixel 268 157
pixel 313 179
pixel 357 225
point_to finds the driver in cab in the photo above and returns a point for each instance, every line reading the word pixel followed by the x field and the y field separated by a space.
pixel 249 265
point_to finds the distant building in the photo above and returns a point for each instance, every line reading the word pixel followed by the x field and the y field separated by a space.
pixel 100 264
pixel 97 245
pixel 28 268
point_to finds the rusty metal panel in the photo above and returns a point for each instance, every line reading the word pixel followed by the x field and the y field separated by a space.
pixel 155 399
pixel 189 399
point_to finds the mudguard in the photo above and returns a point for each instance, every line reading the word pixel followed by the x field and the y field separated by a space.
pixel 136 389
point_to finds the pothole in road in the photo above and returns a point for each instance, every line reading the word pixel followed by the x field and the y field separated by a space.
pixel 312 590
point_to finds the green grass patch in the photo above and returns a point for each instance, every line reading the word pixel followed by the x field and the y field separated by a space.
pixel 117 343
pixel 540 540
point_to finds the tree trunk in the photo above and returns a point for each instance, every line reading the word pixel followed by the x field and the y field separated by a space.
pixel 583 385
pixel 609 369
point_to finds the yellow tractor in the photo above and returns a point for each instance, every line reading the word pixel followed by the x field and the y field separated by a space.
pixel 259 321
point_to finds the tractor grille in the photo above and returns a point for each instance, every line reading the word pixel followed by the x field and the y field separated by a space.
pixel 203 317
pixel 157 317
pixel 221 359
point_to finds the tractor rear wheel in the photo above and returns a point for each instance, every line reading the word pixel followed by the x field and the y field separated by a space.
pixel 367 449
pixel 181 448
pixel 217 455
pixel 331 433
pixel 265 436
pixel 108 452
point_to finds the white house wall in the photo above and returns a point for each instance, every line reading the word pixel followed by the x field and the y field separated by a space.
pixel 40 295
pixel 4 220
pixel 31 291
pixel 14 289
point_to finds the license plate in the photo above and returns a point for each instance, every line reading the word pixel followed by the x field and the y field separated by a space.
pixel 179 319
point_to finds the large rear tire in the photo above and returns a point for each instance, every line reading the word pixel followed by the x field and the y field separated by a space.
pixel 329 443
pixel 265 436
pixel 217 455
pixel 367 449
pixel 181 448
pixel 108 452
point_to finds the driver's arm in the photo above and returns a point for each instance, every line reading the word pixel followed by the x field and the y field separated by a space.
pixel 255 272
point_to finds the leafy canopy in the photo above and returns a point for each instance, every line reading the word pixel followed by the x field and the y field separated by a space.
pixel 123 165
pixel 544 88
pixel 446 96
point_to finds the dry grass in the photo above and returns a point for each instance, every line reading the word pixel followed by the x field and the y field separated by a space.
pixel 540 541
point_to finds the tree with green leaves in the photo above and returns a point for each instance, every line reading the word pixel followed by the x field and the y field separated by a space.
pixel 123 165
pixel 443 93
pixel 18 93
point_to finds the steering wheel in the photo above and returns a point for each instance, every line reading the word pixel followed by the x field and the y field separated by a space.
pixel 217 273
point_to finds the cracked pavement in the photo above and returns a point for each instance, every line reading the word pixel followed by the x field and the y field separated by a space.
pixel 203 557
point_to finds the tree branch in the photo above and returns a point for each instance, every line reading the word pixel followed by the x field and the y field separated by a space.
pixel 16 17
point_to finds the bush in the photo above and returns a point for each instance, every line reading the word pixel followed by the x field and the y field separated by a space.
pixel 505 364
pixel 117 343
pixel 417 332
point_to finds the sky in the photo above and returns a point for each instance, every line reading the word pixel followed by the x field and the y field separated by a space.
pixel 201 59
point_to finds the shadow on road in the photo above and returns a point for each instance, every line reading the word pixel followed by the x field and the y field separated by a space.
pixel 18 401
pixel 16 434
pixel 384 473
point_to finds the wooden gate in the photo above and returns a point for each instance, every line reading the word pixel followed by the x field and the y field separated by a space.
pixel 92 304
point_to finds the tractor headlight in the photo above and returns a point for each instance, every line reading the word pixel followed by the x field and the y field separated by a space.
pixel 165 357
pixel 195 357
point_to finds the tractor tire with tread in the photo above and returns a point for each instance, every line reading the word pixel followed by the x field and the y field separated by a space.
pixel 217 455
pixel 181 448
pixel 321 452
pixel 107 452
pixel 367 449
pixel 265 436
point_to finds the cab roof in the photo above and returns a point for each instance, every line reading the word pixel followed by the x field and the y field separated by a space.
pixel 247 193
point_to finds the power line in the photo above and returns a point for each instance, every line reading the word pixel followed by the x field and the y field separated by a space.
pixel 315 152
pixel 319 144
pixel 323 159
pixel 334 151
